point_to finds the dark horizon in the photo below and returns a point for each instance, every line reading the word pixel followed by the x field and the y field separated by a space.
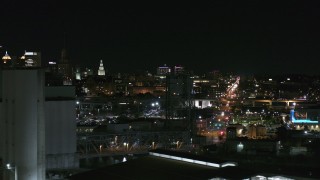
pixel 242 37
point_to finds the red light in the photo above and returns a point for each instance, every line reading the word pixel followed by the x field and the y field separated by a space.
pixel 221 133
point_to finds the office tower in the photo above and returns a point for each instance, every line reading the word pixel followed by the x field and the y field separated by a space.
pixel 6 58
pixel 178 69
pixel 31 59
pixel 101 71
pixel 163 70
pixel 78 73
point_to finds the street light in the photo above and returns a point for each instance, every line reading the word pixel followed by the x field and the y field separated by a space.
pixel 155 104
pixel 78 104
pixel 12 168
pixel 126 145
pixel 9 166
pixel 239 147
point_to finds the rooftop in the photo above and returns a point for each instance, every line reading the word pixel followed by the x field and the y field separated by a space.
pixel 151 167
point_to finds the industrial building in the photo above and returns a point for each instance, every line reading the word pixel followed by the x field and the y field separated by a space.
pixel 37 125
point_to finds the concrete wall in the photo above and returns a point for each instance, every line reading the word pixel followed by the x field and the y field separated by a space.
pixel 2 165
pixel 60 91
pixel 1 131
pixel 32 129
pixel 62 161
pixel 61 134
pixel 0 85
pixel 23 123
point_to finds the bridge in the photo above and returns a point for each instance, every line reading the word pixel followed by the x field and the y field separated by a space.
pixel 105 144
pixel 268 102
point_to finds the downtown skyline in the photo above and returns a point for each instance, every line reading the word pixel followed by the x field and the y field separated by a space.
pixel 247 37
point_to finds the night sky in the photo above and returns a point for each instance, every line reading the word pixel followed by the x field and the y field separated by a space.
pixel 243 37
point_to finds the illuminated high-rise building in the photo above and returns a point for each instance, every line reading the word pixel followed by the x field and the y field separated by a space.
pixel 31 59
pixel 101 71
pixel 163 70
pixel 78 73
pixel 87 72
pixel 178 69
pixel 6 58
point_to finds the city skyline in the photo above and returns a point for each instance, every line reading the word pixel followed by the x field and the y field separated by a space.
pixel 242 37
